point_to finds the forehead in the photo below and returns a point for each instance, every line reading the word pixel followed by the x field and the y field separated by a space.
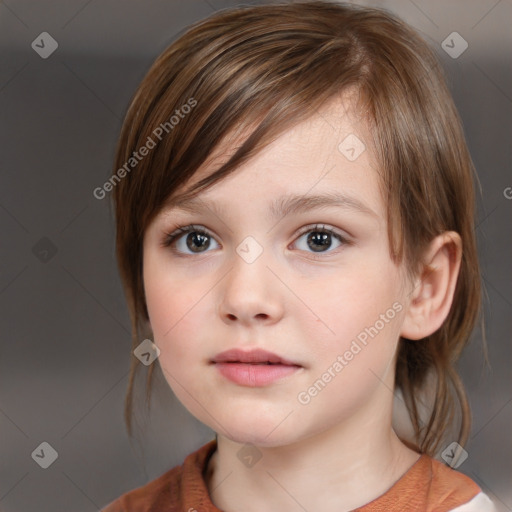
pixel 328 153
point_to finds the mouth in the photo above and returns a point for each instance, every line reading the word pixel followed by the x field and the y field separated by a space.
pixel 255 368
pixel 256 356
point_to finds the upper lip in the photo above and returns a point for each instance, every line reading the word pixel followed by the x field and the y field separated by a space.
pixel 251 356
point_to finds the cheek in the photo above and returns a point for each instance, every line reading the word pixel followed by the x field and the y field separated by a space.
pixel 174 307
pixel 355 363
pixel 355 297
pixel 177 310
pixel 359 318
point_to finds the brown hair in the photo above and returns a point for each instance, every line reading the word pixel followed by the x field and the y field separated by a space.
pixel 268 67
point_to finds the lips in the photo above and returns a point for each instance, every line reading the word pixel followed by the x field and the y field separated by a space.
pixel 256 356
pixel 255 368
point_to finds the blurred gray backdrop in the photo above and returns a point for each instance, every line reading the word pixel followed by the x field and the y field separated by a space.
pixel 65 331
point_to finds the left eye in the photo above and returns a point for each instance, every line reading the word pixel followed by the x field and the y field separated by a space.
pixel 198 239
pixel 320 238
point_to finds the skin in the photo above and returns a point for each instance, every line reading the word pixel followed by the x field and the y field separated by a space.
pixel 338 451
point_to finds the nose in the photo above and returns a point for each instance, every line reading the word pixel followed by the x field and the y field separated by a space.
pixel 251 293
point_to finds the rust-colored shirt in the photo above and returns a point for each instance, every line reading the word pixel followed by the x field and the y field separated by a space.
pixel 428 486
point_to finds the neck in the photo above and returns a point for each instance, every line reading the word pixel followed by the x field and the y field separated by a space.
pixel 338 469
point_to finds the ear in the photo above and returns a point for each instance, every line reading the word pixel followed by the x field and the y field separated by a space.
pixel 432 295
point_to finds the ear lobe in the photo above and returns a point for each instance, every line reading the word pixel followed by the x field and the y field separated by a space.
pixel 432 295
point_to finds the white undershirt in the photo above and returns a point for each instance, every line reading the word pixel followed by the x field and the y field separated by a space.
pixel 480 503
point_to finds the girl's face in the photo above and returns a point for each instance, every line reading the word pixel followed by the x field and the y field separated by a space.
pixel 284 268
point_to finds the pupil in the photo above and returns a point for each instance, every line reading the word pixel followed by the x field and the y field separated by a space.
pixel 322 239
pixel 197 237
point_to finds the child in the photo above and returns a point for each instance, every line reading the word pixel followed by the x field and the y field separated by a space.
pixel 295 232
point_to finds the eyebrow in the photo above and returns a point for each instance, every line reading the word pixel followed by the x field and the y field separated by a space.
pixel 281 206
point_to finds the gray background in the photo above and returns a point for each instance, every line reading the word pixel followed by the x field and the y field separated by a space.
pixel 65 331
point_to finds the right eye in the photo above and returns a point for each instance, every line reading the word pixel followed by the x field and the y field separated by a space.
pixel 197 239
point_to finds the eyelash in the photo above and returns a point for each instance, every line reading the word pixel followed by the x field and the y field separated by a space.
pixel 170 238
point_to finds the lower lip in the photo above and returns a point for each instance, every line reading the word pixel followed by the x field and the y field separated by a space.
pixel 254 375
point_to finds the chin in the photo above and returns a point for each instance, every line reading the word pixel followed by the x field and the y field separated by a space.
pixel 259 432
pixel 257 439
